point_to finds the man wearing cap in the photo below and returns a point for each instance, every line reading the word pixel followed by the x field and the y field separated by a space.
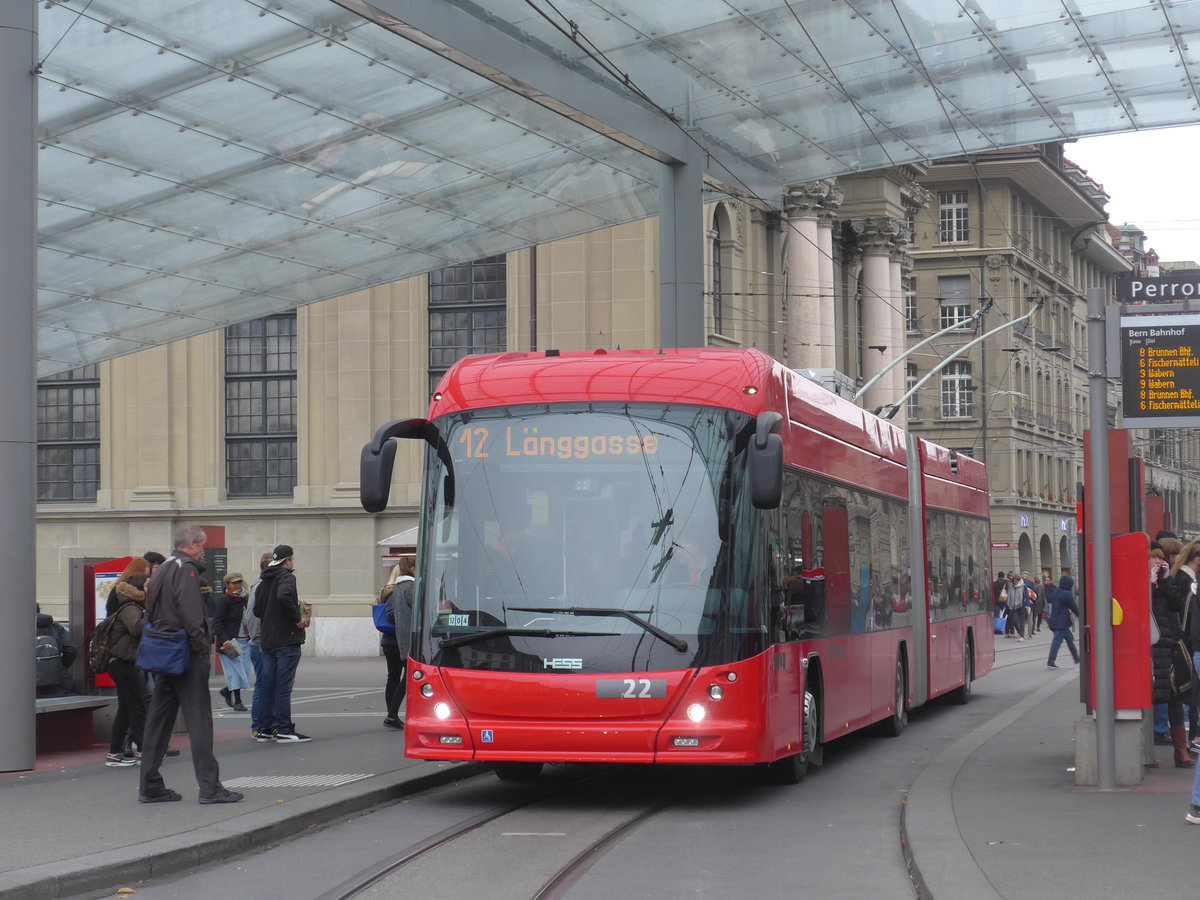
pixel 233 641
pixel 277 604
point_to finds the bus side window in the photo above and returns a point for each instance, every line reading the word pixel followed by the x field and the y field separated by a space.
pixel 836 545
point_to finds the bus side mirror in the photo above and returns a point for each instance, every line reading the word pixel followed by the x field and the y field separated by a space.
pixel 378 457
pixel 766 462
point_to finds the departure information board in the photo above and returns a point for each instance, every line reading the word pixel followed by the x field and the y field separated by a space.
pixel 1160 370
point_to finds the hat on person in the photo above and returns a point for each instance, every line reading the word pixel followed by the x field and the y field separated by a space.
pixel 234 576
pixel 279 554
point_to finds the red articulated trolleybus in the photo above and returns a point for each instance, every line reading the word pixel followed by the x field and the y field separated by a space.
pixel 678 556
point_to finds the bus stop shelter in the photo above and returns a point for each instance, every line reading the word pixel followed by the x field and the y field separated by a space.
pixel 171 169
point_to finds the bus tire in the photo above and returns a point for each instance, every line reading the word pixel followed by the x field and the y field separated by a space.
pixel 518 771
pixel 788 770
pixel 814 749
pixel 893 726
pixel 962 694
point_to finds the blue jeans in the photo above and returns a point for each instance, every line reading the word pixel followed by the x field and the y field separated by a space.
pixel 278 675
pixel 1161 725
pixel 256 705
pixel 1060 635
pixel 1196 788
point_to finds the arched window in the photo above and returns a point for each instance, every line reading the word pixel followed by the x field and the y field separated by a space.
pixel 721 234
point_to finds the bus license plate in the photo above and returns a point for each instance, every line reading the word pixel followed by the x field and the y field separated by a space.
pixel 632 688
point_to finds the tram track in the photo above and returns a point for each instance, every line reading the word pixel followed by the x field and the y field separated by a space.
pixel 551 888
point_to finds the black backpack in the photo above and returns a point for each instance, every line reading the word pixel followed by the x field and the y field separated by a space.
pixel 48 652
pixel 100 646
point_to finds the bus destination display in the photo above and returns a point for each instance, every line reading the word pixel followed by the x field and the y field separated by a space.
pixel 1160 370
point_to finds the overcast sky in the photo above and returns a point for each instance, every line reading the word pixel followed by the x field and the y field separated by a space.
pixel 1151 180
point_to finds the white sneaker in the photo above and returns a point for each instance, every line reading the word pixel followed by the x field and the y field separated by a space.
pixel 292 737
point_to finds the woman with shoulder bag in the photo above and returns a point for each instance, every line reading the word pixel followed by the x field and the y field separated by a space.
pixel 398 595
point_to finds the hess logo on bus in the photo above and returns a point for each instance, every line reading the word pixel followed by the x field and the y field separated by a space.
pixel 561 662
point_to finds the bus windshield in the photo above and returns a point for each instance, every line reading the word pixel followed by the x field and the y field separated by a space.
pixel 588 537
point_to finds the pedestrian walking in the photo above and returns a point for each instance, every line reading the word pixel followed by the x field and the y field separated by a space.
pixel 1062 605
pixel 173 602
pixel 1014 593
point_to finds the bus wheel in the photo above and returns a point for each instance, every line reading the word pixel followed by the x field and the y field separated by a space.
pixel 962 694
pixel 894 725
pixel 789 770
pixel 518 771
pixel 814 750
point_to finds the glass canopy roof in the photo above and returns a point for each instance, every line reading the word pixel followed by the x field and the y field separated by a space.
pixel 206 162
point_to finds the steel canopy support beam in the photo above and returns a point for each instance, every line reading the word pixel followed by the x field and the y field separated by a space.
pixel 497 52
pixel 681 254
pixel 18 342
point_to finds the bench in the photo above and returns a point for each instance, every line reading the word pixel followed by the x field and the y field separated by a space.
pixel 65 723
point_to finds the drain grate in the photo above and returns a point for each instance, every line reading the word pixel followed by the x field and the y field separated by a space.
pixel 270 781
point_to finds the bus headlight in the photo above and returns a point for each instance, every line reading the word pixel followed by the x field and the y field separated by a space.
pixel 716 691
pixel 696 712
pixel 427 690
pixel 442 710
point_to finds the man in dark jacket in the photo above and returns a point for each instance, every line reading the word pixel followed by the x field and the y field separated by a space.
pixel 282 632
pixel 1062 604
pixel 173 602
pixel 54 653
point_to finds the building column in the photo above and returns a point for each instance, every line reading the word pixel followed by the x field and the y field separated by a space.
pixel 802 274
pixel 827 338
pixel 880 341
pixel 18 353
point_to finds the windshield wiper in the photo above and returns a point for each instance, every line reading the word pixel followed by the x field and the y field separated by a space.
pixel 677 642
pixel 459 639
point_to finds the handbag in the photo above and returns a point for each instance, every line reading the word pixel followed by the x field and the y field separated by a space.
pixel 1183 671
pixel 164 652
pixel 384 625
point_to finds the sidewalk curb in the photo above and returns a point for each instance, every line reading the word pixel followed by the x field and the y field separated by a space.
pixel 929 832
pixel 126 866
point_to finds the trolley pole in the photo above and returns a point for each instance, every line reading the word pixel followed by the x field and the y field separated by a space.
pixel 18 339
pixel 1100 522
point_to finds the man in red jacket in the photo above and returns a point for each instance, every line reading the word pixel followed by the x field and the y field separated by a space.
pixel 174 602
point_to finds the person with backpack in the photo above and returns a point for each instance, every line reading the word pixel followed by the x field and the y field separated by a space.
pixel 53 653
pixel 123 633
pixel 398 594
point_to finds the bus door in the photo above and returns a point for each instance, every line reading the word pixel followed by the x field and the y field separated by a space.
pixel 845 656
